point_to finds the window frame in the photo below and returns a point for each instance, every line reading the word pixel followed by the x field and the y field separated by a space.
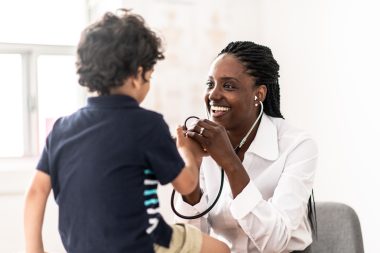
pixel 30 54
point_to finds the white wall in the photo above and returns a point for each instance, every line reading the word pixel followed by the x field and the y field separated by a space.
pixel 14 179
pixel 328 54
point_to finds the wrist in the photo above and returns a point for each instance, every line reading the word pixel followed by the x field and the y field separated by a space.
pixel 190 159
pixel 194 197
pixel 231 165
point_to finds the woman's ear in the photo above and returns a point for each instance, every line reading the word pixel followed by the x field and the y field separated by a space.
pixel 261 93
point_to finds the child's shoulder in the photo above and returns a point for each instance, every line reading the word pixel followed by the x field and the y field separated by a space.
pixel 151 113
pixel 149 116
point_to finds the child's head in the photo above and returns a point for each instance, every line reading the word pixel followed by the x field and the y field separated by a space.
pixel 115 48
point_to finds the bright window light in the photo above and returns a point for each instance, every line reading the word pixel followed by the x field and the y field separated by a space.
pixel 59 93
pixel 53 22
pixel 11 106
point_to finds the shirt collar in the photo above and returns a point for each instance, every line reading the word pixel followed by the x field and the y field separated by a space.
pixel 265 143
pixel 112 101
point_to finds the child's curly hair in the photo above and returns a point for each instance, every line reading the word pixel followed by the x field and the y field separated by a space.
pixel 113 48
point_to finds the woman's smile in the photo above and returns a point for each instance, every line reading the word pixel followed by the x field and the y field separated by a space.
pixel 219 111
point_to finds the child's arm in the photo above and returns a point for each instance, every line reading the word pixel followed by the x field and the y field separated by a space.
pixel 191 153
pixel 34 210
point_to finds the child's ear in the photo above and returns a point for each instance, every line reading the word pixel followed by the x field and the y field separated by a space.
pixel 138 80
pixel 140 72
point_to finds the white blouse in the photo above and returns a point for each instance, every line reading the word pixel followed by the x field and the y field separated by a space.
pixel 270 214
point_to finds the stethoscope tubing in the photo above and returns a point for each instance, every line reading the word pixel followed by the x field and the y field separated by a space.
pixel 205 211
pixel 221 177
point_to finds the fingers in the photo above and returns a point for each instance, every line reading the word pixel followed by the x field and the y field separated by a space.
pixel 180 136
pixel 198 138
pixel 211 123
pixel 206 124
pixel 208 134
pixel 180 130
pixel 185 140
pixel 201 127
pixel 200 131
pixel 208 129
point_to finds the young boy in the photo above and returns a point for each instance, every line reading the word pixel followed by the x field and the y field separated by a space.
pixel 104 162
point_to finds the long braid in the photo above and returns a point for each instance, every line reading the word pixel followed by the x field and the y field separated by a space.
pixel 260 64
pixel 272 101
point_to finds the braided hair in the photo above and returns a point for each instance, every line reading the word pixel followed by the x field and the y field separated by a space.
pixel 261 65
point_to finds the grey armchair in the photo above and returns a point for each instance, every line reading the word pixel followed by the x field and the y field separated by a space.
pixel 338 229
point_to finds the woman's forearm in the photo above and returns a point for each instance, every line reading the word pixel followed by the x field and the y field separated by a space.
pixel 237 177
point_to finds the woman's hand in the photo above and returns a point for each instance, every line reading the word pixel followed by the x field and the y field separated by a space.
pixel 215 141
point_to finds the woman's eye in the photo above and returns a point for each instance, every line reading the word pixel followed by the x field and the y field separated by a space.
pixel 209 85
pixel 228 86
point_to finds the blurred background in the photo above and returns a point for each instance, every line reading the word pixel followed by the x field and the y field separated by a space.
pixel 329 60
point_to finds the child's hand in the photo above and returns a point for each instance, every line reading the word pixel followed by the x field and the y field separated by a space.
pixel 186 145
pixel 184 142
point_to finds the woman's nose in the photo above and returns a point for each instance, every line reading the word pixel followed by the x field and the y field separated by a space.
pixel 215 93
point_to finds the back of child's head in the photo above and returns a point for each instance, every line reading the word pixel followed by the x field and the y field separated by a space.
pixel 112 49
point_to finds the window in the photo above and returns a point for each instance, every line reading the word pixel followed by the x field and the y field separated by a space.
pixel 37 60
pixel 58 91
pixel 11 105
pixel 38 86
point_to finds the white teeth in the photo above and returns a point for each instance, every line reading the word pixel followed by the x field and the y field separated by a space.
pixel 219 108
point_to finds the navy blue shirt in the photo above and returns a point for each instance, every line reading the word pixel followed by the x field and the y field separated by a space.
pixel 105 162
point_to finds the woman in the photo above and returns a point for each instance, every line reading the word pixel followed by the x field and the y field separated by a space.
pixel 264 204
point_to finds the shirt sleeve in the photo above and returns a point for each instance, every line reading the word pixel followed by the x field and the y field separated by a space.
pixel 271 224
pixel 43 163
pixel 188 210
pixel 162 154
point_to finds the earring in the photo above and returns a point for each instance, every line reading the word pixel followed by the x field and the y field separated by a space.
pixel 256 104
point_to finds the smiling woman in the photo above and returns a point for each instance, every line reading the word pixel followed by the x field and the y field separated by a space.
pixel 264 207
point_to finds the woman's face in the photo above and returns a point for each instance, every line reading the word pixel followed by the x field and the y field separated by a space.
pixel 230 94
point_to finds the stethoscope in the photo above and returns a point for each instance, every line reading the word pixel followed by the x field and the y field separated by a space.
pixel 236 149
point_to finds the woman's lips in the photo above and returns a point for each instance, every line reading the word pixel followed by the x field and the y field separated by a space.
pixel 217 114
pixel 219 111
